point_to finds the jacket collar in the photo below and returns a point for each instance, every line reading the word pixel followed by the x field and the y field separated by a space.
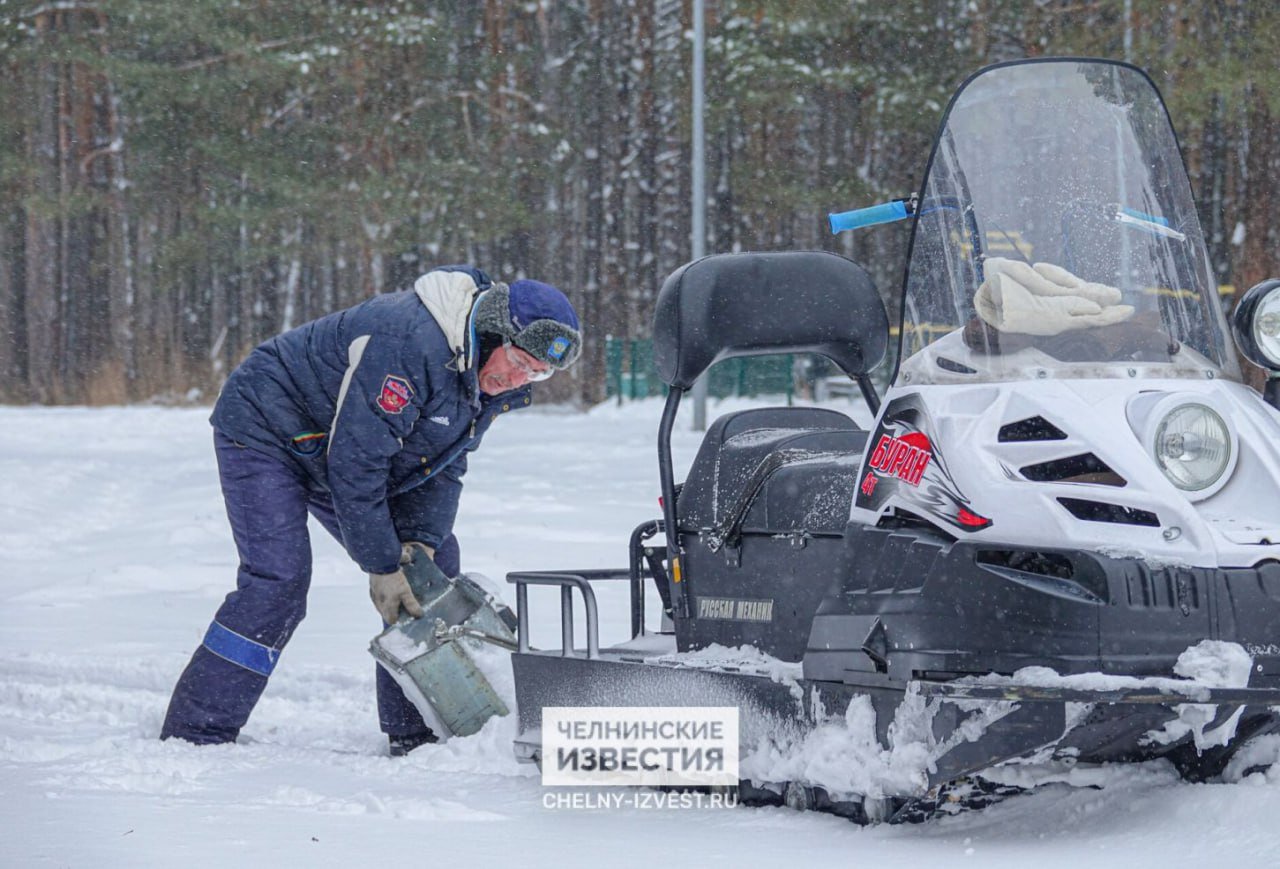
pixel 450 297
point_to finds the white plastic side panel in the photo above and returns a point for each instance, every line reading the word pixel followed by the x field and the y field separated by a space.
pixel 1238 526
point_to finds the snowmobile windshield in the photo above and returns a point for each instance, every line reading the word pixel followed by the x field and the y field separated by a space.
pixel 1056 236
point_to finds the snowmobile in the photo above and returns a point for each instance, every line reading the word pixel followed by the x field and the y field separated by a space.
pixel 1059 540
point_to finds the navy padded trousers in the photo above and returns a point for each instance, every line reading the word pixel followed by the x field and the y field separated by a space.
pixel 267 504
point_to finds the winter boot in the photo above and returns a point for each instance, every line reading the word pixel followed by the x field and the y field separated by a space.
pixel 402 744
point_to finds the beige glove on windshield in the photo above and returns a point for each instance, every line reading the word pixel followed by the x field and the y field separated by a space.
pixel 391 591
pixel 1044 299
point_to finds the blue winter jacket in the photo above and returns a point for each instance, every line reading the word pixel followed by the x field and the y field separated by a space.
pixel 378 405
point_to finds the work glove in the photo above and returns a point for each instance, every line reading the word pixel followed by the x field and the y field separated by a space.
pixel 1044 299
pixel 390 592
pixel 408 549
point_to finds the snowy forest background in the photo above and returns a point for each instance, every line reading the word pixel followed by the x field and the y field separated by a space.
pixel 179 181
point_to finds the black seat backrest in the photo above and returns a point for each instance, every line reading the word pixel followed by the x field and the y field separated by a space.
pixel 745 304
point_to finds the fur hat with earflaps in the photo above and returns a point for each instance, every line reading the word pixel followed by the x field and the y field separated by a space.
pixel 534 316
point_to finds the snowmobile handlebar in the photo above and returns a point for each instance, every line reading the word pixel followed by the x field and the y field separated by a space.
pixel 886 212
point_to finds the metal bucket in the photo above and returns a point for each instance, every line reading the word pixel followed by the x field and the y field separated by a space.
pixel 429 657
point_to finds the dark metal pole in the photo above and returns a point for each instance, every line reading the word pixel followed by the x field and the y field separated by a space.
pixel 698 203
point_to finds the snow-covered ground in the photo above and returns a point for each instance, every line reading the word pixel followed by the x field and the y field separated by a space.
pixel 114 554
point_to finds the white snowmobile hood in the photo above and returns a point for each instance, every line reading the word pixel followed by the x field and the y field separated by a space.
pixel 451 297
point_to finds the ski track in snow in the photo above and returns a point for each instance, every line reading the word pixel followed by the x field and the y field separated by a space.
pixel 114 554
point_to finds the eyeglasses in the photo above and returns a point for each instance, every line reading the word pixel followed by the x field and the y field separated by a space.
pixel 524 363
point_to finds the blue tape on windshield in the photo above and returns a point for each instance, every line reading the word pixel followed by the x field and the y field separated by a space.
pixel 1142 215
pixel 887 212
pixel 227 644
pixel 1148 223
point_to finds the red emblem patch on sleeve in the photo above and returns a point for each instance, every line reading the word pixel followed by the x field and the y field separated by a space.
pixel 395 394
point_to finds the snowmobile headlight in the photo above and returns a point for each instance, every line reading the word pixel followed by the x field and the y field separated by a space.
pixel 1187 436
pixel 1256 325
pixel 1193 446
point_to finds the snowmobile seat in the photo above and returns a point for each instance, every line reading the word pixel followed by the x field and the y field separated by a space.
pixel 812 492
pixel 762 516
pixel 773 470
